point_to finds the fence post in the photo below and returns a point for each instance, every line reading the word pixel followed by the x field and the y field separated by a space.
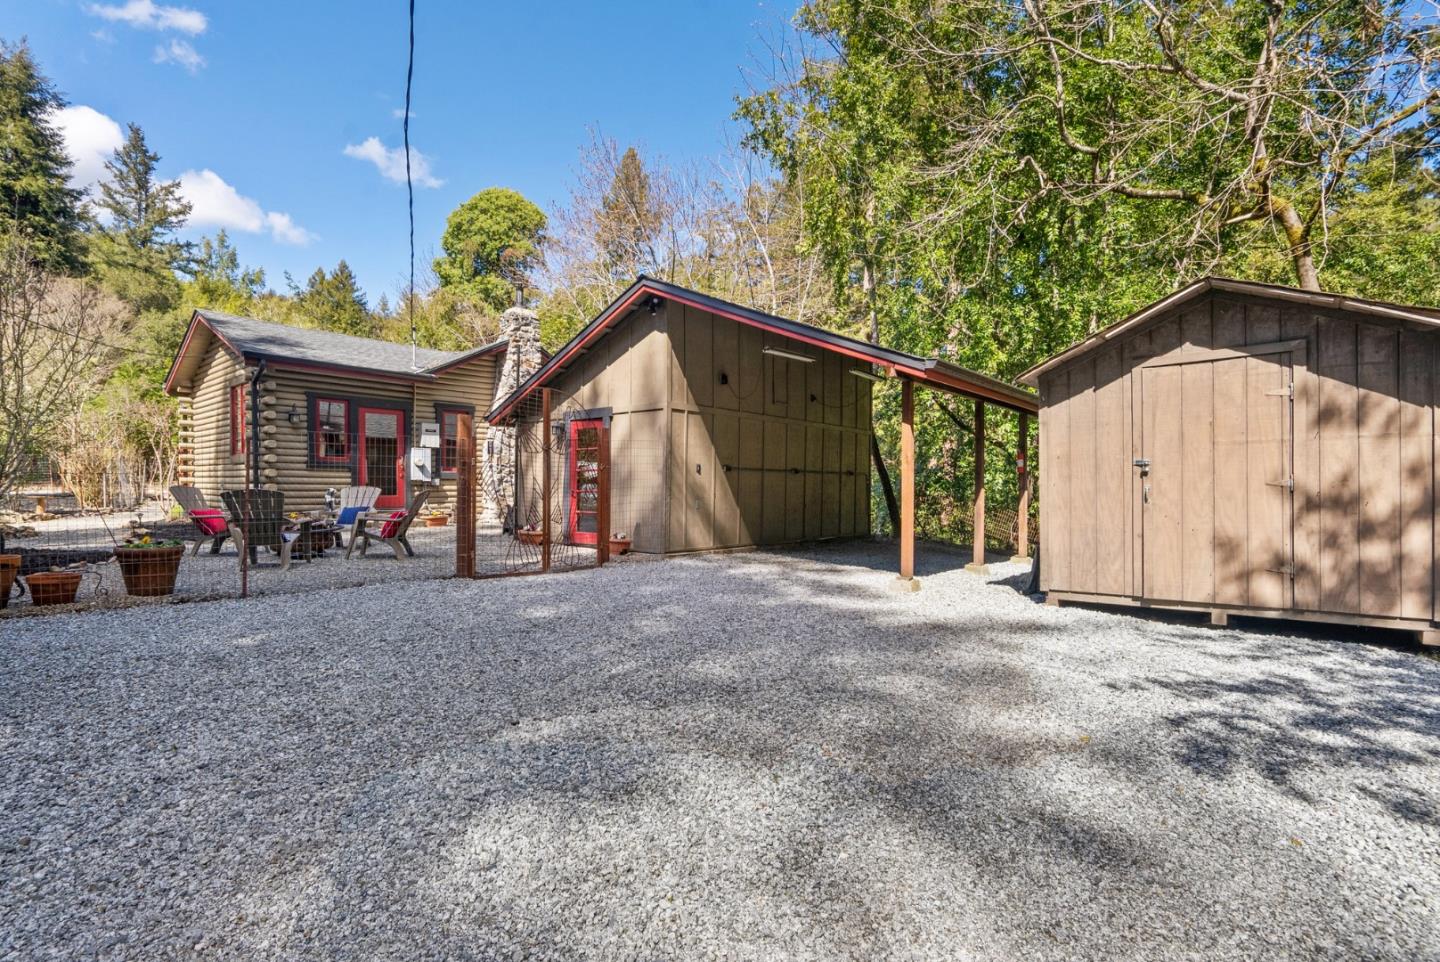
pixel 602 494
pixel 978 565
pixel 465 495
pixel 548 448
pixel 1022 523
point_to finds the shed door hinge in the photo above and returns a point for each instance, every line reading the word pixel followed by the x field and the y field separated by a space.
pixel 1288 570
pixel 1287 483
pixel 1286 391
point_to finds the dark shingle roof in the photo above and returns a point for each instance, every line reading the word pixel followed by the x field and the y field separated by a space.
pixel 281 342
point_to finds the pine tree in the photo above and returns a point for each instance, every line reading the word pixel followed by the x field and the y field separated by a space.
pixel 144 211
pixel 628 219
pixel 36 198
pixel 334 302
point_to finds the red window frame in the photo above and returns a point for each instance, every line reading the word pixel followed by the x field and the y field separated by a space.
pixel 450 439
pixel 320 442
pixel 237 419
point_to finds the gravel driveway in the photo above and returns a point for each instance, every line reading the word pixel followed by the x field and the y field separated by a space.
pixel 754 756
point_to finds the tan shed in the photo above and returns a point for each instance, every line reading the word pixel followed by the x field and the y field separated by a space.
pixel 1246 449
pixel 722 426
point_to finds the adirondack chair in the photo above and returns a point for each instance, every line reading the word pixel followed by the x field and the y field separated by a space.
pixel 350 511
pixel 391 531
pixel 209 522
pixel 262 527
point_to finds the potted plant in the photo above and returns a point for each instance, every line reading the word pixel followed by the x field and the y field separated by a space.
pixel 9 571
pixel 53 587
pixel 529 534
pixel 437 518
pixel 619 544
pixel 149 567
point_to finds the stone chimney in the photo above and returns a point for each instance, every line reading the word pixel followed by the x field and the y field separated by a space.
pixel 521 327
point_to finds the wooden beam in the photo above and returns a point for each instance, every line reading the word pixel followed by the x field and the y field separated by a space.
pixel 465 495
pixel 907 482
pixel 546 448
pixel 602 495
pixel 1022 520
pixel 978 565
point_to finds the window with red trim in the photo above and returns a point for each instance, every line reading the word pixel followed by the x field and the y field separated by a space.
pixel 332 430
pixel 449 442
pixel 237 419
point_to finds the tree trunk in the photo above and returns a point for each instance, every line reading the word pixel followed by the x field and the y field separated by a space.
pixel 1302 255
pixel 891 505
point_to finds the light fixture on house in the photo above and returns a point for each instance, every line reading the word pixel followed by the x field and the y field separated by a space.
pixel 787 355
pixel 866 375
pixel 293 415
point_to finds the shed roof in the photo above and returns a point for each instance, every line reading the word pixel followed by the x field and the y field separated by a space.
pixel 933 372
pixel 1424 317
pixel 255 340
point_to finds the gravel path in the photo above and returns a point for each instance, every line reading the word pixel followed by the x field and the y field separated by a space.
pixel 753 756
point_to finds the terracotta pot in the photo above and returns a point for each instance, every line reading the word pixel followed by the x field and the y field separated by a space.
pixel 149 572
pixel 530 537
pixel 619 546
pixel 9 571
pixel 53 587
pixel 437 520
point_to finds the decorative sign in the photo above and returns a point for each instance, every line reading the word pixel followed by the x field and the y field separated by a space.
pixel 429 434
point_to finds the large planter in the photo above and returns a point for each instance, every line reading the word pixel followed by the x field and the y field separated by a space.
pixel 437 520
pixel 53 587
pixel 149 572
pixel 619 546
pixel 530 537
pixel 9 571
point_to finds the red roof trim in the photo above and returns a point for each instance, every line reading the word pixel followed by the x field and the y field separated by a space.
pixel 196 320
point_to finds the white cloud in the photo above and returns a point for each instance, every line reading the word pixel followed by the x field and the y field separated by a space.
pixel 214 203
pixel 90 139
pixel 180 51
pixel 103 35
pixel 148 15
pixel 391 162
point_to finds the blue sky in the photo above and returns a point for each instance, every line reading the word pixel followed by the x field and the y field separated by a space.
pixel 280 116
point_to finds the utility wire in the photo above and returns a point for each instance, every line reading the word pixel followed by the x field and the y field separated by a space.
pixel 410 190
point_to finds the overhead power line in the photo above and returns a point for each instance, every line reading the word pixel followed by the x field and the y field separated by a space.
pixel 410 188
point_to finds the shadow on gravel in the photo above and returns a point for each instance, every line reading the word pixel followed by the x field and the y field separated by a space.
pixel 1297 706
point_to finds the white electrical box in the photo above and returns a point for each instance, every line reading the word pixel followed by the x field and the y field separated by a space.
pixel 422 464
pixel 429 434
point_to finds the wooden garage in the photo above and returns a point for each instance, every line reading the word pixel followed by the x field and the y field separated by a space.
pixel 717 426
pixel 1243 448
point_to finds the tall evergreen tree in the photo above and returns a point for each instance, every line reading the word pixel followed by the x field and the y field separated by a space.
pixel 628 219
pixel 36 198
pixel 144 210
pixel 334 302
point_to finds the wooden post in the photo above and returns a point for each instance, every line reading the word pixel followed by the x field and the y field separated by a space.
pixel 1022 521
pixel 465 495
pixel 547 447
pixel 978 565
pixel 602 496
pixel 907 581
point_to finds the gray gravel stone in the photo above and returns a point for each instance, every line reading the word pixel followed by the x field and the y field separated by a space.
pixel 756 756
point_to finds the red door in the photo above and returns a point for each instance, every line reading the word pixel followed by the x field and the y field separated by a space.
pixel 382 454
pixel 586 438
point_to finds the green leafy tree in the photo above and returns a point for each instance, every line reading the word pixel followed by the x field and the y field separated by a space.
pixel 492 243
pixel 219 282
pixel 334 302
pixel 37 202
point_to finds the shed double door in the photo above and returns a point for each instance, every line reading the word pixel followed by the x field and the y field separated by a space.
pixel 1215 476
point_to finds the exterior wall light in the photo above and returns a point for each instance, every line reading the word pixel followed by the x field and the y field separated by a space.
pixel 866 375
pixel 787 355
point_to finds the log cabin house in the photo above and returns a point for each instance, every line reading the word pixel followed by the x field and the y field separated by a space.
pixel 306 410
pixel 1246 449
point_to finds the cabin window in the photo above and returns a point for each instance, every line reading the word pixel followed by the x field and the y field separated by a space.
pixel 332 430
pixel 449 441
pixel 237 419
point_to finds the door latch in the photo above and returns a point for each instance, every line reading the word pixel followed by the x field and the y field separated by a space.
pixel 1144 465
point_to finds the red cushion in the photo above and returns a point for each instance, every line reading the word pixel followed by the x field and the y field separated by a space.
pixel 392 527
pixel 211 521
